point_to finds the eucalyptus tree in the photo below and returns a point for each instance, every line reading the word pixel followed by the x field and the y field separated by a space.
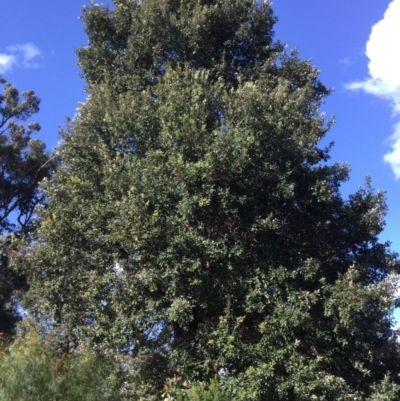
pixel 196 227
pixel 23 164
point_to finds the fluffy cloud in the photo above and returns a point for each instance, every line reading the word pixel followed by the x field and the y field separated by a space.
pixel 22 55
pixel 6 62
pixel 383 52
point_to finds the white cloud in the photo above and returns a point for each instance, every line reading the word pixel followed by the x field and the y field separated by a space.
pixel 25 53
pixel 6 62
pixel 22 55
pixel 383 52
pixel 393 157
pixel 346 61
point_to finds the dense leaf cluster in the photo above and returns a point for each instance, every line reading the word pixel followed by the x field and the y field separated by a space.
pixel 194 226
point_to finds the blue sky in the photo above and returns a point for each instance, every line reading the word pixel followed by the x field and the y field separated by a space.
pixel 354 43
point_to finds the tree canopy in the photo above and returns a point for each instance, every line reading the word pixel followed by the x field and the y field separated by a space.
pixel 23 164
pixel 195 226
pixel 23 160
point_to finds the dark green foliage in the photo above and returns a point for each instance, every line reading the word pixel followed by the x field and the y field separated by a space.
pixel 198 392
pixel 133 44
pixel 23 164
pixel 9 281
pixel 23 161
pixel 195 227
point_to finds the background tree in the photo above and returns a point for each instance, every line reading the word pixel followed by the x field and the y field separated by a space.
pixel 23 164
pixel 195 226
pixel 31 369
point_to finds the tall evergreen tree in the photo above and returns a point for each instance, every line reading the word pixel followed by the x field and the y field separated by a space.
pixel 23 164
pixel 194 226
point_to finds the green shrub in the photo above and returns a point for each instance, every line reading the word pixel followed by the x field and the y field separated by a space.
pixel 199 391
pixel 30 370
